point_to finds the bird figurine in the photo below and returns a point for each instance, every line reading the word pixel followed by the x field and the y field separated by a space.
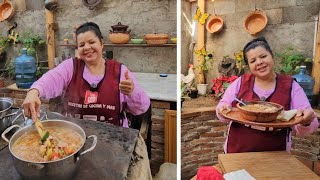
pixel 188 79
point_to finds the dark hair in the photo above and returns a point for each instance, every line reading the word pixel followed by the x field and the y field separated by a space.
pixel 89 26
pixel 261 41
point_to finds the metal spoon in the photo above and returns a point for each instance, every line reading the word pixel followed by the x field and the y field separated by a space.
pixel 239 101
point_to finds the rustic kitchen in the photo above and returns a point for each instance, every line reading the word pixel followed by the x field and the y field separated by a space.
pixel 140 34
pixel 214 34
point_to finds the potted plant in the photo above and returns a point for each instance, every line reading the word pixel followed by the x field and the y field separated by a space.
pixel 205 61
pixel 220 84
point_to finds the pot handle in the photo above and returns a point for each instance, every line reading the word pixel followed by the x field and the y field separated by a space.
pixel 94 143
pixel 3 135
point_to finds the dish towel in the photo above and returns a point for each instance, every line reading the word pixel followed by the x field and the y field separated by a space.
pixel 209 173
pixel 238 175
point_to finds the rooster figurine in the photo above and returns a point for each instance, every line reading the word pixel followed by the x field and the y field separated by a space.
pixel 188 79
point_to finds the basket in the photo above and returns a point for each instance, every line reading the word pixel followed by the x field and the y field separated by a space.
pixel 255 22
pixel 260 116
pixel 119 38
pixel 157 41
pixel 215 24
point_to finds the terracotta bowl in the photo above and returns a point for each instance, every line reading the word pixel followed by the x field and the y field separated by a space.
pixel 6 10
pixel 260 111
pixel 255 22
pixel 156 38
pixel 214 24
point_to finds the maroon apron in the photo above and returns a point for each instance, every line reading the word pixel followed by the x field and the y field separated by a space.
pixel 107 106
pixel 245 139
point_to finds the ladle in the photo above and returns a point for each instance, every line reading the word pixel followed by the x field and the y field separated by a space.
pixel 241 102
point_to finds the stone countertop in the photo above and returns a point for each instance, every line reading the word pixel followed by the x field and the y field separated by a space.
pixel 158 88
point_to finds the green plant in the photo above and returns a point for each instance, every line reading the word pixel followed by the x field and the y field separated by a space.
pixel 33 43
pixel 205 60
pixel 3 44
pixel 290 60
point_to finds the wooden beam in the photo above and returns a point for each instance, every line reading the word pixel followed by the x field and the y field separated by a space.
pixel 316 62
pixel 50 38
pixel 200 42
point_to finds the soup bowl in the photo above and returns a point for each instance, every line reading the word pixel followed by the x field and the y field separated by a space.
pixel 260 111
pixel 64 168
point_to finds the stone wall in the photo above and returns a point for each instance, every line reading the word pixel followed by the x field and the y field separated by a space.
pixel 143 17
pixel 289 22
pixel 203 137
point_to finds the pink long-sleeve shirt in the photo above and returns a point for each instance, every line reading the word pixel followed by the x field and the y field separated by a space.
pixel 299 100
pixel 55 82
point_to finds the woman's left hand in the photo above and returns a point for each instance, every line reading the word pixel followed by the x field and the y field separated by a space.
pixel 307 116
pixel 126 86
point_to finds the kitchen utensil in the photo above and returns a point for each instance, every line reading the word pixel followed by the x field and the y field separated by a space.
pixel 119 38
pixel 214 24
pixel 156 38
pixel 239 101
pixel 42 132
pixel 120 28
pixel 174 40
pixel 255 21
pixel 91 4
pixel 59 169
pixel 260 116
pixel 6 10
pixel 136 41
pixel 50 4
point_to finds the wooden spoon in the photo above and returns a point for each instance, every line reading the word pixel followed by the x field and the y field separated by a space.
pixel 42 132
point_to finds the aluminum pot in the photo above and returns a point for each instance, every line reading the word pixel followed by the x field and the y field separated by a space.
pixel 60 169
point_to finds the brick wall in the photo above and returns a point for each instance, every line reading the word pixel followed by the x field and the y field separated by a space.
pixel 203 137
pixel 157 134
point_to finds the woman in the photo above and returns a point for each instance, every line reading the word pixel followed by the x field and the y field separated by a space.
pixel 94 88
pixel 264 84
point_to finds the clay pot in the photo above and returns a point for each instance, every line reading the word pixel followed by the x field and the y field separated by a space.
pixel 119 28
pixel 6 10
pixel 51 4
pixel 214 24
pixel 156 38
pixel 119 38
pixel 255 22
pixel 258 116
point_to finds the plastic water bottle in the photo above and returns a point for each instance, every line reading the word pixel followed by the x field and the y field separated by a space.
pixel 25 70
pixel 305 81
pixel 163 85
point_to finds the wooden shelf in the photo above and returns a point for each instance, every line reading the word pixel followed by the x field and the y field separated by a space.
pixel 129 45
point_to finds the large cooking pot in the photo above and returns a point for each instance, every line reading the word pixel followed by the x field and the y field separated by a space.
pixel 5 113
pixel 60 169
pixel 6 10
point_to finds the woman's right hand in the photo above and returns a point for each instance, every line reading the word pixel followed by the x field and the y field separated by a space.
pixel 31 104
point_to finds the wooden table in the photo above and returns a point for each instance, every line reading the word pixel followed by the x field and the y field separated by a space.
pixel 267 165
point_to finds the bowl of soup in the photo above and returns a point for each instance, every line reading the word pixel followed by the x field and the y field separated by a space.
pixel 260 111
pixel 56 158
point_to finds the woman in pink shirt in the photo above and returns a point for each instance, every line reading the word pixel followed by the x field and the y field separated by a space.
pixel 264 84
pixel 93 88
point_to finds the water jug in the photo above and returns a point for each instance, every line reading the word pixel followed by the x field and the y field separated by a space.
pixel 25 70
pixel 305 81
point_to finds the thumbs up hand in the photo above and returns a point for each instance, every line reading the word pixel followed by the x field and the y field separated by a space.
pixel 126 86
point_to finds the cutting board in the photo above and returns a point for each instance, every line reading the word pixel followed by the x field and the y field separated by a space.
pixel 276 165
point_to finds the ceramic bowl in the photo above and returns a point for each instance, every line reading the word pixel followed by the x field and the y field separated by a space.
pixel 260 111
pixel 136 41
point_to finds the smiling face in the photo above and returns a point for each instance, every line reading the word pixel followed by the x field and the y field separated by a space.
pixel 89 46
pixel 260 62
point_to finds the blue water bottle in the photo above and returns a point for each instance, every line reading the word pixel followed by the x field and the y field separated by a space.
pixel 25 70
pixel 305 81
